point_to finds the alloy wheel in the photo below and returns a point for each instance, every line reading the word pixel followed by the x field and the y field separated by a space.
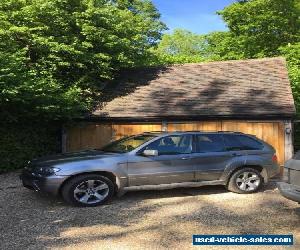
pixel 91 191
pixel 248 181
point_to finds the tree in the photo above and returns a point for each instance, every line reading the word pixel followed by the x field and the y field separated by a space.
pixel 182 42
pixel 55 55
pixel 179 47
pixel 261 27
pixel 257 28
pixel 292 54
pixel 222 45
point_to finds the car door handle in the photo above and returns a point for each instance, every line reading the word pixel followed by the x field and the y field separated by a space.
pixel 185 158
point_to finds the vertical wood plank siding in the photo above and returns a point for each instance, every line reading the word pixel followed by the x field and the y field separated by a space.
pixel 96 135
pixel 133 129
pixel 88 136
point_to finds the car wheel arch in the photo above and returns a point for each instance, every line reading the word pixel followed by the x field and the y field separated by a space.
pixel 257 167
pixel 111 176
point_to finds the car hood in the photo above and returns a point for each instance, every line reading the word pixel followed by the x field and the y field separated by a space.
pixel 72 157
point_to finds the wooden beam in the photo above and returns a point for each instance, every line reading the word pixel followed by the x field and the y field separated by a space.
pixel 288 140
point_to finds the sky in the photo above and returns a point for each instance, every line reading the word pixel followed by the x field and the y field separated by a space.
pixel 198 16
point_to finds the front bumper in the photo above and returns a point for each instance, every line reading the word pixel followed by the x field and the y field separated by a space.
pixel 49 184
pixel 289 191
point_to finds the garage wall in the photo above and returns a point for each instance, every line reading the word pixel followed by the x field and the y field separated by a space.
pixel 93 135
pixel 86 135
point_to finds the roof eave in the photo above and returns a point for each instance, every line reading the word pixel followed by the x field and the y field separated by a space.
pixel 95 118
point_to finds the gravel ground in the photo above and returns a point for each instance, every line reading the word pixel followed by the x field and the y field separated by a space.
pixel 141 220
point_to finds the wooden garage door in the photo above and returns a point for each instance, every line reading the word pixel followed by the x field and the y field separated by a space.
pixel 122 130
pixel 87 136
pixel 271 132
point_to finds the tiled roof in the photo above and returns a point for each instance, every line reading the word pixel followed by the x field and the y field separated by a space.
pixel 248 88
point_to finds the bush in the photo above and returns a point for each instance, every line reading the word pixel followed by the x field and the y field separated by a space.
pixel 23 141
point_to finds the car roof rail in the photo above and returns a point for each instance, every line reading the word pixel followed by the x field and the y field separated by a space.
pixel 235 132
pixel 154 132
pixel 190 131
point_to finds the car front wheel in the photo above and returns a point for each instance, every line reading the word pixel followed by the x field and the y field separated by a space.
pixel 88 190
pixel 246 180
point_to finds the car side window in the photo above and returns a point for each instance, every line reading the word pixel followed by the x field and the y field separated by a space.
pixel 209 143
pixel 241 142
pixel 172 145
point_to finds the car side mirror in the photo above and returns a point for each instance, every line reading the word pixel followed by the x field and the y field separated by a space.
pixel 149 152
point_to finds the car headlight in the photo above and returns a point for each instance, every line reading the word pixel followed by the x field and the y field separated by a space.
pixel 45 171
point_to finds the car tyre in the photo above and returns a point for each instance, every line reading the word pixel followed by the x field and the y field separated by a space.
pixel 88 190
pixel 245 181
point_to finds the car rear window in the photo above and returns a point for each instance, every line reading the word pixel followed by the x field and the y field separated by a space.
pixel 241 142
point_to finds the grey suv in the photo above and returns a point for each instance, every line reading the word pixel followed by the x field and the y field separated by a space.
pixel 155 160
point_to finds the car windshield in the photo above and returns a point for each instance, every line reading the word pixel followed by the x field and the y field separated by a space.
pixel 127 144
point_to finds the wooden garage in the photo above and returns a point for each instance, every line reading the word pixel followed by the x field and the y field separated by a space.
pixel 250 96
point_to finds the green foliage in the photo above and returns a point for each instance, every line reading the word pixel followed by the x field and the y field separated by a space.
pixel 257 28
pixel 157 58
pixel 56 54
pixel 292 54
pixel 24 141
pixel 223 46
pixel 261 27
pixel 181 46
pixel 182 42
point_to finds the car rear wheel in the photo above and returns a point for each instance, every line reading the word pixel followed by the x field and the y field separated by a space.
pixel 88 190
pixel 246 180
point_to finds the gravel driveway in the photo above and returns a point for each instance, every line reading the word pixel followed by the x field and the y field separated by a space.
pixel 140 220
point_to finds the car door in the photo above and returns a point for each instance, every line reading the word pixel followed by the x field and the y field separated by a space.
pixel 209 157
pixel 171 165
